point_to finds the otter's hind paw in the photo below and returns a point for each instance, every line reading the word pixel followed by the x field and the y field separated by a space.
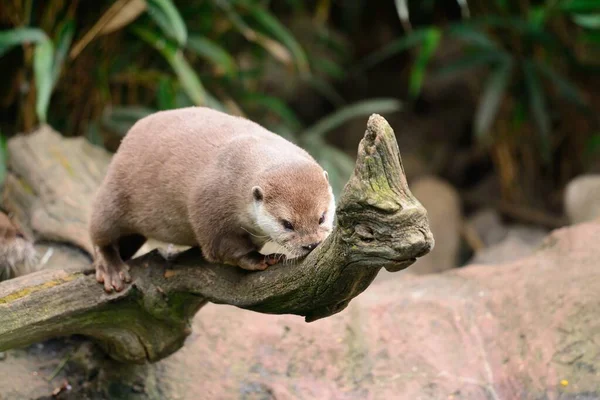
pixel 112 276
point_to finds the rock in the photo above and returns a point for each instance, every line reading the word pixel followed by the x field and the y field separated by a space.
pixel 487 225
pixel 502 243
pixel 518 242
pixel 524 330
pixel 442 203
pixel 582 198
pixel 508 332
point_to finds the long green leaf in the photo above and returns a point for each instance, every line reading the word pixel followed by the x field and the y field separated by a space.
pixel 494 91
pixel 165 94
pixel 188 79
pixel 43 63
pixel 472 35
pixel 63 43
pixel 403 13
pixel 591 21
pixel 472 60
pixel 593 145
pixel 17 36
pixel 327 90
pixel 537 106
pixel 567 89
pixel 417 75
pixel 214 53
pixel 276 49
pixel 272 25
pixel 360 109
pixel 580 5
pixel 120 119
pixel 592 37
pixel 166 15
pixel 328 67
pixel 276 106
pixel 394 48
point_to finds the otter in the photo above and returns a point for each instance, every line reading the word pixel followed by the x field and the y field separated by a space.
pixel 199 177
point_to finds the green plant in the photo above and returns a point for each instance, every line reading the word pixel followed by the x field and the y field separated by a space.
pixel 98 69
pixel 531 52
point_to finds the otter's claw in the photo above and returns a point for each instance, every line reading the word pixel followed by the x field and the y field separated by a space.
pixel 112 276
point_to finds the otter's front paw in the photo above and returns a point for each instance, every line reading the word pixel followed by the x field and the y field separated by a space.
pixel 252 263
pixel 112 276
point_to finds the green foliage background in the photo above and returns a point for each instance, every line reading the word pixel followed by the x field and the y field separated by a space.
pixel 93 68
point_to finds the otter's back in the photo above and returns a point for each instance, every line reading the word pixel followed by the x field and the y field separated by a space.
pixel 161 157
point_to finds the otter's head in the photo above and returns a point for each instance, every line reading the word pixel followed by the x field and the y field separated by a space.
pixel 295 208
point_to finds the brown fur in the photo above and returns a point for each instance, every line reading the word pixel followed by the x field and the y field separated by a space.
pixel 186 176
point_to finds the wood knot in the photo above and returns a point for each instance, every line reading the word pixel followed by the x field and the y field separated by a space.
pixel 365 233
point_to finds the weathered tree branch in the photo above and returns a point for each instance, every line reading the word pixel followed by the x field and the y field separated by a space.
pixel 379 224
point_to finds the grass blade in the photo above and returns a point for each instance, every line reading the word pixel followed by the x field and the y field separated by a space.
pixel 188 79
pixel 472 35
pixel 567 89
pixel 272 25
pixel 473 60
pixel 214 53
pixel 328 67
pixel 587 21
pixel 276 49
pixel 63 43
pixel 110 21
pixel 17 36
pixel 464 9
pixel 592 146
pixel 166 15
pixel 326 89
pixel 390 50
pixel 494 91
pixel 580 6
pixel 276 106
pixel 43 62
pixel 120 119
pixel 428 48
pixel 403 14
pixel 126 15
pixel 537 106
pixel 360 109
pixel 165 94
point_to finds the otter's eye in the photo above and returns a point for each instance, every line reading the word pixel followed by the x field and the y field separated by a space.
pixel 287 225
pixel 322 219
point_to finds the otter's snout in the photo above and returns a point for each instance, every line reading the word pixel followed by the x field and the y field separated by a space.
pixel 311 247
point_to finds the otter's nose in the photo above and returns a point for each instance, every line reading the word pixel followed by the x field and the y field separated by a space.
pixel 311 246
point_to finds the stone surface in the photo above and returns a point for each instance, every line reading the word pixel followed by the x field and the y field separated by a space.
pixel 523 330
pixel 487 224
pixel 582 198
pixel 518 242
pixel 505 332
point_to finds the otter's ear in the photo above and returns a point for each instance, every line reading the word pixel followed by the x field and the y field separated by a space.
pixel 257 193
pixel 326 175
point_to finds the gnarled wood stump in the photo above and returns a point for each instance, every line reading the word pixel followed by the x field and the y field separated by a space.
pixel 379 224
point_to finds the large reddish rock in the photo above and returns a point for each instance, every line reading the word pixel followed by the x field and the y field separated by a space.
pixel 526 330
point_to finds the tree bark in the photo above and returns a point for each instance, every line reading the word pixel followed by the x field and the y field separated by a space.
pixel 378 224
